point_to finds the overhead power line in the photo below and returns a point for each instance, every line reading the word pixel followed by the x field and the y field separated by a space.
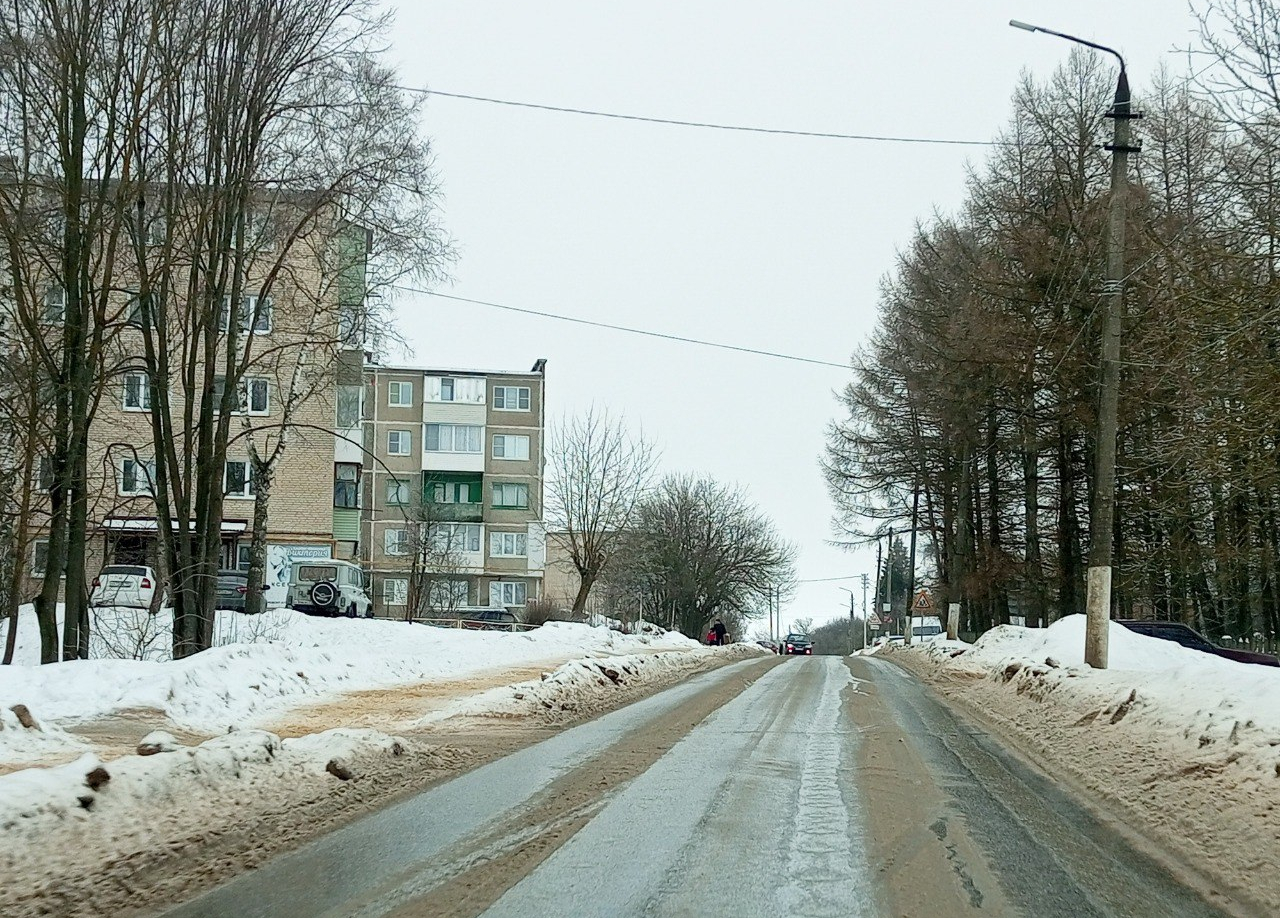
pixel 624 328
pixel 710 125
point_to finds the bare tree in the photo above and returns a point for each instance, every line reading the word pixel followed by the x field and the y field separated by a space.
pixel 438 559
pixel 701 549
pixel 600 472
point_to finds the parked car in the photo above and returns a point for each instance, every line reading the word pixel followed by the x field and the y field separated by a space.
pixel 799 644
pixel 233 587
pixel 1194 640
pixel 490 620
pixel 770 646
pixel 124 585
pixel 328 587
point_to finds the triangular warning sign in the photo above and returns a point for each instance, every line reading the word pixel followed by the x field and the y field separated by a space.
pixel 923 603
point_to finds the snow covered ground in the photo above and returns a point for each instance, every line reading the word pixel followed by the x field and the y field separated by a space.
pixel 1181 745
pixel 282 659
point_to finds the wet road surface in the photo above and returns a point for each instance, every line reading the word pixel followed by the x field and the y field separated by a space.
pixel 806 787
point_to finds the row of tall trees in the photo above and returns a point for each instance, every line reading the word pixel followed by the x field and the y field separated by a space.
pixel 202 193
pixel 978 387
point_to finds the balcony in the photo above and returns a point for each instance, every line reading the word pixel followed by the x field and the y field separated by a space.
pixel 453 497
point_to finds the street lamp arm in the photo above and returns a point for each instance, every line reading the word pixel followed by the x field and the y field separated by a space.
pixel 1026 26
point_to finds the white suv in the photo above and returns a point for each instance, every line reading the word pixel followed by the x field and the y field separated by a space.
pixel 323 586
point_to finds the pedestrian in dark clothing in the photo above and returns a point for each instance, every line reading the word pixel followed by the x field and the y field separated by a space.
pixel 719 630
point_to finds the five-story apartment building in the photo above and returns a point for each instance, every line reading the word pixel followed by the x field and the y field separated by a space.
pixel 451 495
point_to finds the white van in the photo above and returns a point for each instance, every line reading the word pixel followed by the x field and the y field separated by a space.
pixel 927 628
pixel 326 586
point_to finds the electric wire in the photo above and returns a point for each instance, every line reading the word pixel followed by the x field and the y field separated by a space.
pixel 627 329
pixel 709 125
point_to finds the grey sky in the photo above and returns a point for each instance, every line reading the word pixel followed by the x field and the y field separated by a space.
pixel 777 243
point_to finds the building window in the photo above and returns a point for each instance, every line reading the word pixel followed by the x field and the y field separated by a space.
pixel 138 311
pixel 400 394
pixel 468 390
pixel 243 557
pixel 507 593
pixel 346 485
pixel 348 413
pixel 399 442
pixel 395 592
pixel 510 446
pixel 252 397
pixel 459 537
pixel 507 544
pixel 446 389
pixel 157 230
pixel 137 392
pixel 454 438
pixel 397 492
pixel 137 477
pixel 254 312
pixel 351 324
pixel 39 557
pixel 237 479
pixel 55 306
pixel 448 594
pixel 454 492
pixel 395 541
pixel 46 473
pixel 513 496
pixel 511 398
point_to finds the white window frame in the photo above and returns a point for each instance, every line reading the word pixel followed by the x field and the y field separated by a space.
pixel 144 477
pixel 453 429
pixel 395 591
pixel 501 453
pixel 249 386
pixel 517 542
pixel 399 492
pixel 395 542
pixel 500 487
pixel 448 593
pixel 143 391
pixel 405 440
pixel 502 586
pixel 248 306
pixel 450 543
pixel 403 392
pixel 501 394
pixel 247 492
pixel 133 310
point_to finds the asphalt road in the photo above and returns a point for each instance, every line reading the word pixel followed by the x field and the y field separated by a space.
pixel 805 787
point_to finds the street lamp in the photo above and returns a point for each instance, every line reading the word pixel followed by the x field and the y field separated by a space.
pixel 1101 520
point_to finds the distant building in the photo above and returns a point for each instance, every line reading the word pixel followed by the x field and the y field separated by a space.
pixel 451 496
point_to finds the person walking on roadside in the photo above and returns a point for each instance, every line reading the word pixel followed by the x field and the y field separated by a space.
pixel 719 630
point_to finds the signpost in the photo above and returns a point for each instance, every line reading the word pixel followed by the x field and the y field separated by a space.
pixel 922 605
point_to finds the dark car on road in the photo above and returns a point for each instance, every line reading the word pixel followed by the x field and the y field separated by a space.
pixel 798 644
pixel 231 590
pixel 1190 638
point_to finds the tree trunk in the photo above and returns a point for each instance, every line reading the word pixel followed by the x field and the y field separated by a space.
pixel 586 580
pixel 254 601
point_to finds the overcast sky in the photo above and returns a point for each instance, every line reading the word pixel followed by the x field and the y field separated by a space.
pixel 768 242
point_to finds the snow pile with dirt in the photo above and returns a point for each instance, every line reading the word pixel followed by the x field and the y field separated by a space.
pixel 1182 745
pixel 580 686
pixel 285 659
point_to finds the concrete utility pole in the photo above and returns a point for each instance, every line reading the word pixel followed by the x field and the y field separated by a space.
pixel 864 611
pixel 1102 515
pixel 911 566
pixel 888 581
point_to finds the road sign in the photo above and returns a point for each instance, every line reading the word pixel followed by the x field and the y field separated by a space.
pixel 923 603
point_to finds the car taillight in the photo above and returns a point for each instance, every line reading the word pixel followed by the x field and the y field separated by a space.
pixel 146 583
pixel 97 582
pixel 789 647
pixel 242 589
pixel 808 650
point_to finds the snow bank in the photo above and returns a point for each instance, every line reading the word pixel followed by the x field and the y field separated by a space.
pixel 250 762
pixel 291 659
pixel 1208 706
pixel 577 685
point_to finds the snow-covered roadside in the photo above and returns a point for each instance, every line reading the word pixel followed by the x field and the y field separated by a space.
pixel 248 794
pixel 1184 746
pixel 285 660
